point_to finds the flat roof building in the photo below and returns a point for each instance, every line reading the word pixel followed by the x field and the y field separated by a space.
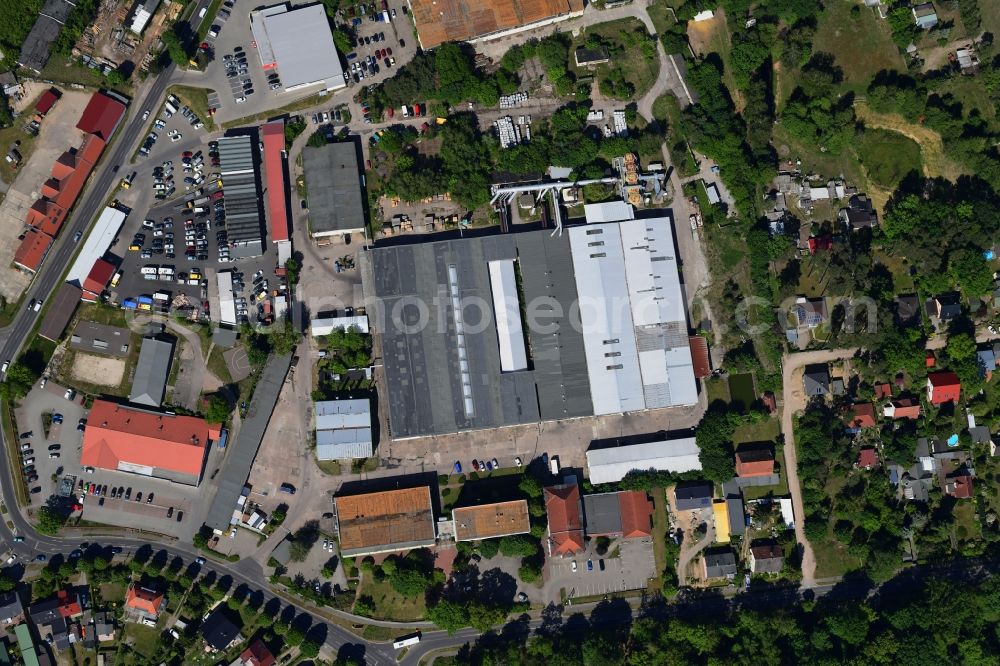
pixel 327 325
pixel 610 465
pixel 628 514
pixel 385 522
pixel 298 43
pixel 150 382
pixel 489 521
pixel 343 429
pixel 333 183
pixel 440 21
pixel 60 311
pixel 238 162
pixel 614 341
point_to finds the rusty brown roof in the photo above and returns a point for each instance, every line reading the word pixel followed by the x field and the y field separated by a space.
pixel 491 520
pixel 385 521
pixel 440 21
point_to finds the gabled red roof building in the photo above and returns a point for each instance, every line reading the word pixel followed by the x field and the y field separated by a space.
pixel 943 387
pixel 904 408
pixel 101 117
pixel 959 486
pixel 754 462
pixel 144 601
pixel 256 654
pixel 47 101
pixel 882 391
pixel 862 415
pixel 562 504
pixel 817 243
pixel 32 250
pixel 637 513
pixel 867 458
pixel 273 137
pixel 97 280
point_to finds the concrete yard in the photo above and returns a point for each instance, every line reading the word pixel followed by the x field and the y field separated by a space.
pixel 98 370
pixel 631 570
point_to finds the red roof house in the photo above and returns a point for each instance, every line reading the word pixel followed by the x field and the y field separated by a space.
pixel 883 391
pixel 820 243
pixel 754 462
pixel 101 117
pixel 862 415
pixel 47 101
pixel 959 486
pixel 637 513
pixel 97 280
pixel 943 387
pixel 31 251
pixel 904 408
pixel 256 655
pixel 769 401
pixel 165 446
pixel 867 458
pixel 147 602
pixel 562 504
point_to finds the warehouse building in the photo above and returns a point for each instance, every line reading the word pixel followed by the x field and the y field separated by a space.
pixel 611 465
pixel 150 382
pixel 343 429
pixel 458 357
pixel 491 521
pixel 298 43
pixel 273 137
pixel 333 183
pixel 627 514
pixel 440 21
pixel 385 522
pixel 238 160
pixel 148 443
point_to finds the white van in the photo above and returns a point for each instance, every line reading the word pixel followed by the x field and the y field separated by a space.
pixel 554 464
pixel 149 270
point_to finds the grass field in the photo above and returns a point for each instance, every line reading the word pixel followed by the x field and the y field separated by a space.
pixel 741 388
pixel 766 430
pixel 971 91
pixel 861 46
pixel 933 158
pixel 641 71
pixel 390 605
pixel 888 157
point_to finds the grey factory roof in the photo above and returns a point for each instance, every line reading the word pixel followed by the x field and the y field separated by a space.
pixel 60 311
pixel 300 43
pixel 151 371
pixel 461 362
pixel 36 46
pixel 244 448
pixel 602 514
pixel 609 465
pixel 343 429
pixel 333 183
pixel 95 338
pixel 240 177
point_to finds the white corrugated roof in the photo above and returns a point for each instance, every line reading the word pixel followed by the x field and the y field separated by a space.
pixel 612 465
pixel 609 211
pixel 340 444
pixel 319 327
pixel 507 310
pixel 96 244
pixel 334 414
pixel 227 302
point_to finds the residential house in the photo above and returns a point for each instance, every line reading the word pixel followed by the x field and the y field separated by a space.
pixel 859 214
pixel 924 15
pixel 810 312
pixel 867 458
pixel 904 408
pixel 816 380
pixel 754 461
pixel 691 495
pixel 943 387
pixel 818 243
pixel 987 363
pixel 944 307
pixel 11 609
pixel 907 309
pixel 55 618
pixel 256 654
pixel 862 415
pixel 766 556
pixel 104 627
pixel 219 630
pixel 719 563
pixel 565 519
pixel 883 391
pixel 959 485
pixel 143 604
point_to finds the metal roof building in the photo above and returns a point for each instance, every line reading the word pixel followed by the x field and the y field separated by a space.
pixel 96 244
pixel 333 184
pixel 244 217
pixel 35 49
pixel 150 382
pixel 298 42
pixel 343 429
pixel 327 325
pixel 613 464
pixel 227 300
pixel 385 522
pixel 60 311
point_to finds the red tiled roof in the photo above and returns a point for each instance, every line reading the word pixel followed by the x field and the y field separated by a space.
pixel 562 504
pixel 943 387
pixel 863 415
pixel 120 434
pixel 144 599
pixel 699 356
pixel 867 458
pixel 929 359
pixel 770 403
pixel 257 655
pixel 46 101
pixel 99 277
pixel 69 606
pixel 101 116
pixel 754 462
pixel 820 243
pixel 273 137
pixel 637 513
pixel 883 391
pixel 906 408
pixel 32 250
pixel 959 486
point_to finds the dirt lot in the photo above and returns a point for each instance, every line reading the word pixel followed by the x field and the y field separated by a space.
pixel 57 135
pixel 99 370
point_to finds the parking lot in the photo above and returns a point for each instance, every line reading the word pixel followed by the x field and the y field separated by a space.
pixel 380 47
pixel 631 570
pixel 64 439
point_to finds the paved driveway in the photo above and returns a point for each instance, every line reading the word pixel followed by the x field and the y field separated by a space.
pixel 631 570
pixel 29 418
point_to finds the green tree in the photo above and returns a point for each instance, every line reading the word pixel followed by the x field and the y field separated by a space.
pixel 714 437
pixel 218 409
pixel 449 615
pixel 50 520
pixel 309 648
